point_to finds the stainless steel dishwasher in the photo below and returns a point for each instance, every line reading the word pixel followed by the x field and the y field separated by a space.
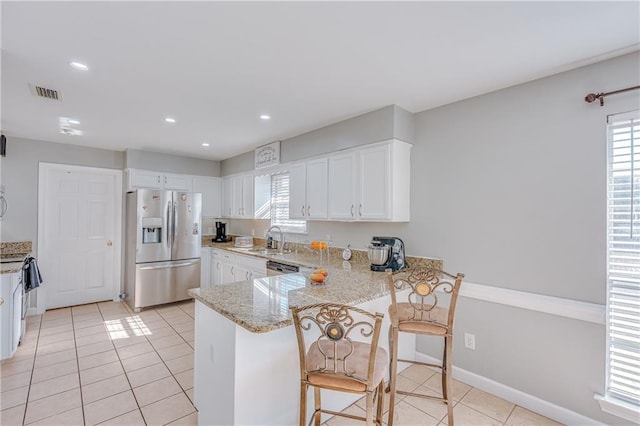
pixel 277 268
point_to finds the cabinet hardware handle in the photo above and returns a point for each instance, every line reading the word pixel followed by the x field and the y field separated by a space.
pixel 165 179
pixel 351 210
pixel 158 178
pixel 308 210
pixel 1 301
pixel 360 209
pixel 109 243
pixel 232 270
pixel 302 210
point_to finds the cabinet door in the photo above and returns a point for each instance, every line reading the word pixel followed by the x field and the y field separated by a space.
pixel 316 188
pixel 297 191
pixel 237 198
pixel 205 267
pixel 227 197
pixel 177 182
pixel 227 271
pixel 17 316
pixel 144 179
pixel 241 274
pixel 374 183
pixel 215 272
pixel 247 208
pixel 210 189
pixel 342 181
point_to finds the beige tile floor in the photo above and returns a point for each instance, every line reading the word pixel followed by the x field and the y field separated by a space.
pixel 103 364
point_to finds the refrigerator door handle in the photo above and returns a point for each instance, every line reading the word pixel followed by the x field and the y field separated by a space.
pixel 175 225
pixel 168 224
pixel 175 265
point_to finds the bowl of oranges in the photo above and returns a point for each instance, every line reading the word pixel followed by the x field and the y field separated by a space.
pixel 317 276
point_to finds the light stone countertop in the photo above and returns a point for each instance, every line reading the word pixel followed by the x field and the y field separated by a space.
pixel 262 305
pixel 10 268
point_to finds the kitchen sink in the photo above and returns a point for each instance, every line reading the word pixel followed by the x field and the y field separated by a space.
pixel 268 251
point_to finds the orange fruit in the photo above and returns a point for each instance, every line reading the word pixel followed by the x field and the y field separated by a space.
pixel 314 245
pixel 317 278
pixel 324 272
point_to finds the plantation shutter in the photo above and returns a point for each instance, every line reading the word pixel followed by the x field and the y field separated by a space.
pixel 280 205
pixel 623 263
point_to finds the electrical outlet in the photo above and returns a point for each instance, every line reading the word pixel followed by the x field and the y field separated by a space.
pixel 470 341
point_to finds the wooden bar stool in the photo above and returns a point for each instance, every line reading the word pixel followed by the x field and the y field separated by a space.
pixel 338 349
pixel 428 309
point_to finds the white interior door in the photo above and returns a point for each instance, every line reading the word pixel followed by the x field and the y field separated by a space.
pixel 79 229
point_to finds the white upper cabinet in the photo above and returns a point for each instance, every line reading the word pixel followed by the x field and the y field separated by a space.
pixel 210 189
pixel 371 183
pixel 177 182
pixel 237 196
pixel 144 179
pixel 227 196
pixel 308 189
pixel 139 179
pixel 342 186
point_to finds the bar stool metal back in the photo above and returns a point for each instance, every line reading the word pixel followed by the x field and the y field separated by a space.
pixel 338 350
pixel 428 309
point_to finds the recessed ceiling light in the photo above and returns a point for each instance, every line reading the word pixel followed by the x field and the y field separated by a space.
pixel 205 144
pixel 170 120
pixel 79 66
pixel 265 117
pixel 72 121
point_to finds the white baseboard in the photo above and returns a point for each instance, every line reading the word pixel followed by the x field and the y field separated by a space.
pixel 530 402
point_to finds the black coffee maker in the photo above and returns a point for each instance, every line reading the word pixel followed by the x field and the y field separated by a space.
pixel 221 233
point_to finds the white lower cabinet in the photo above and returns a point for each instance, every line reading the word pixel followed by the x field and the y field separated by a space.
pixel 249 268
pixel 205 267
pixel 10 314
pixel 227 267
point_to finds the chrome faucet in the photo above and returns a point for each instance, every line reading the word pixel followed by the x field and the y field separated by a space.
pixel 267 236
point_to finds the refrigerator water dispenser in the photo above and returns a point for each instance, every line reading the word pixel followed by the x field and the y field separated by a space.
pixel 151 230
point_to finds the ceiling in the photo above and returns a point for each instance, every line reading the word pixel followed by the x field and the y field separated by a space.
pixel 217 66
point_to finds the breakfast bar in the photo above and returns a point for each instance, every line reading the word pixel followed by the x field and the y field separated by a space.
pixel 246 361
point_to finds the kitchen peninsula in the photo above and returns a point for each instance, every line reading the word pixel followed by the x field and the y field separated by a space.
pixel 246 360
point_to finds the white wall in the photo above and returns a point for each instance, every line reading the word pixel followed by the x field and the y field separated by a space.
pixel 19 175
pixel 510 189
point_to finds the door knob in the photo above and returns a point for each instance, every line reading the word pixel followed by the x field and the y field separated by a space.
pixel 109 243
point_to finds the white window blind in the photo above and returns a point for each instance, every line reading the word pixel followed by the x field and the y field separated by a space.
pixel 623 258
pixel 280 205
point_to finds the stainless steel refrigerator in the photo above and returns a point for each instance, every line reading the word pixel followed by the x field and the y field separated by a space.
pixel 162 246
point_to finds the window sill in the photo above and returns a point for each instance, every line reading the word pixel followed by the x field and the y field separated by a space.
pixel 619 408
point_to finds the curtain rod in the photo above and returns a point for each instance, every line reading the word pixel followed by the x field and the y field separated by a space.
pixel 593 96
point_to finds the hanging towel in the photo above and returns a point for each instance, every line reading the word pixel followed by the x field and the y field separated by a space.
pixel 31 277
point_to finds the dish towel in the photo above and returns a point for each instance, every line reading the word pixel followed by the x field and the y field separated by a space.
pixel 31 277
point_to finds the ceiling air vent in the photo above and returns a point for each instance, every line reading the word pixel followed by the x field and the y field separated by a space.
pixel 43 92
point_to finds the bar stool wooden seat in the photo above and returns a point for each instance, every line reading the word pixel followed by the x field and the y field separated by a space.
pixel 338 350
pixel 427 309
